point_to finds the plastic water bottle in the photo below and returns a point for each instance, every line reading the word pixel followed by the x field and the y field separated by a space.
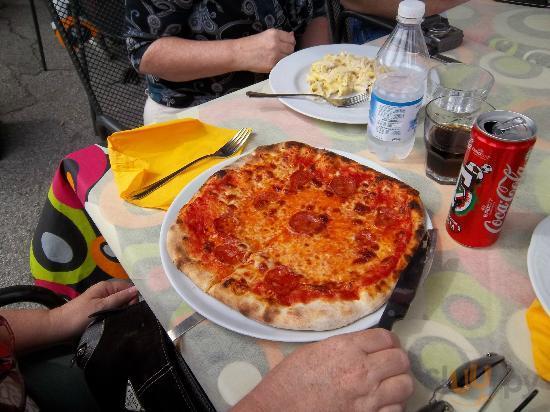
pixel 396 97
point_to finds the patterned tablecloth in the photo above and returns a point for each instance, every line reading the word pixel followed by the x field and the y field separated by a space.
pixel 474 300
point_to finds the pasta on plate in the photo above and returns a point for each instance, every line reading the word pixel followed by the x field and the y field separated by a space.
pixel 337 75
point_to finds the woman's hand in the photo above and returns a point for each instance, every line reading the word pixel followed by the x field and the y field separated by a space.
pixel 72 318
pixel 36 328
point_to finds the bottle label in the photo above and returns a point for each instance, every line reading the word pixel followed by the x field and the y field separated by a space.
pixel 391 121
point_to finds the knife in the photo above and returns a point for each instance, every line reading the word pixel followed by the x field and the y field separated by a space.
pixel 405 289
pixel 185 326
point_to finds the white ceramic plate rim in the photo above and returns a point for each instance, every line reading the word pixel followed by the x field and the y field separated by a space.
pixel 223 315
pixel 537 266
pixel 289 76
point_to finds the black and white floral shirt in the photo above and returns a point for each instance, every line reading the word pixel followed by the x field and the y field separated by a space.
pixel 148 20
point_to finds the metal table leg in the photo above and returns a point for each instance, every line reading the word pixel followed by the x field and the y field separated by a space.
pixel 38 36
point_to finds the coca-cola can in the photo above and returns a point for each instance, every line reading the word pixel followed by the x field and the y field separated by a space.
pixel 494 161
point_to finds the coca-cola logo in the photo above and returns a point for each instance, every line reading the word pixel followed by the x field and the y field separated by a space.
pixel 506 190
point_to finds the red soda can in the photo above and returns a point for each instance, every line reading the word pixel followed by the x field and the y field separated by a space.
pixel 494 161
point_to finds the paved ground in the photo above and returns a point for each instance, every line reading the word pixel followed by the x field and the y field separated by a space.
pixel 44 115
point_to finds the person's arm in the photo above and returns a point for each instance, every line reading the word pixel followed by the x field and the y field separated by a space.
pixel 316 33
pixel 177 59
pixel 161 44
pixel 388 8
pixel 36 328
pixel 363 371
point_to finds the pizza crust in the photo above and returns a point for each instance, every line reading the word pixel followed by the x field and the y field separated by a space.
pixel 317 315
pixel 175 245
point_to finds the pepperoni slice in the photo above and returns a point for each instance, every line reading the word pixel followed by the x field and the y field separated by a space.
pixel 343 185
pixel 228 253
pixel 226 224
pixel 365 255
pixel 299 179
pixel 385 218
pixel 308 223
pixel 261 202
pixel 361 208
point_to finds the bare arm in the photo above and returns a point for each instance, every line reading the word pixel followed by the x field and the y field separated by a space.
pixel 388 8
pixel 36 328
pixel 316 33
pixel 177 59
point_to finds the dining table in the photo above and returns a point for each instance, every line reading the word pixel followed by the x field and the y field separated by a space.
pixel 473 301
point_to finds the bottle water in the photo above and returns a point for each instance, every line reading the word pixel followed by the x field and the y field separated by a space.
pixel 396 97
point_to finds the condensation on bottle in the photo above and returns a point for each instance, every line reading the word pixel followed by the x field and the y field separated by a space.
pixel 397 94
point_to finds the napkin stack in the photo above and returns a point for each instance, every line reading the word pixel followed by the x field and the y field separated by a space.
pixel 538 322
pixel 142 156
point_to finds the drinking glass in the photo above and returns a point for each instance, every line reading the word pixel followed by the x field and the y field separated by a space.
pixel 459 81
pixel 447 129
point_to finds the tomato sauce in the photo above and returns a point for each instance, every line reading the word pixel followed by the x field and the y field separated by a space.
pixel 286 287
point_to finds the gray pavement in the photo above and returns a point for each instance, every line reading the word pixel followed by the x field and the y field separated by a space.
pixel 44 115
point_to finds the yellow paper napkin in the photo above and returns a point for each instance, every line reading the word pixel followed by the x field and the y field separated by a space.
pixel 538 322
pixel 142 156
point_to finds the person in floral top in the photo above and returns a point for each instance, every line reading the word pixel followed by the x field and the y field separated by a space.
pixel 193 51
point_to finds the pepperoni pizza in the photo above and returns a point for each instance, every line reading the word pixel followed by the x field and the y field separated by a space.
pixel 298 237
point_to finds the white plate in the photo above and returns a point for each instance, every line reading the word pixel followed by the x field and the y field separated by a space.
pixel 289 76
pixel 538 262
pixel 223 315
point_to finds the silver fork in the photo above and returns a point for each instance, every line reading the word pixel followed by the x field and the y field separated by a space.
pixel 335 101
pixel 231 147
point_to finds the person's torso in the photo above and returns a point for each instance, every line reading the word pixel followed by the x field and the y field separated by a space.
pixel 208 20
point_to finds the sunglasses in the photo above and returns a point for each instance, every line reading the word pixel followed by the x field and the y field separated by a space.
pixel 466 376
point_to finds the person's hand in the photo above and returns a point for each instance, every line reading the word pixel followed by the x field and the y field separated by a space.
pixel 72 318
pixel 363 371
pixel 260 52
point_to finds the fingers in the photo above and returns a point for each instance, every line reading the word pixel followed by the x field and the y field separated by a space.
pixel 375 340
pixel 287 38
pixel 393 392
pixel 118 285
pixel 106 288
pixel 389 396
pixel 121 298
pixel 286 49
pixel 262 51
pixel 285 42
pixel 392 408
pixel 387 363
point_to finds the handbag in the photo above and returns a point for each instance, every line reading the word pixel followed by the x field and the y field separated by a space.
pixel 130 364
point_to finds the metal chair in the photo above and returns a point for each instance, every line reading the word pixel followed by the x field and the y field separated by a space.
pixel 31 293
pixel 339 19
pixel 92 32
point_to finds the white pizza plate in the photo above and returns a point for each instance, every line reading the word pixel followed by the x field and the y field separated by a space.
pixel 538 262
pixel 289 76
pixel 223 315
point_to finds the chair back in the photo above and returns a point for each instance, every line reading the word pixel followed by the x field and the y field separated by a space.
pixel 334 8
pixel 92 32
pixel 339 18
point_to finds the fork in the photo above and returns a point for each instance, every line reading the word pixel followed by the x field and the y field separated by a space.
pixel 335 101
pixel 228 149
